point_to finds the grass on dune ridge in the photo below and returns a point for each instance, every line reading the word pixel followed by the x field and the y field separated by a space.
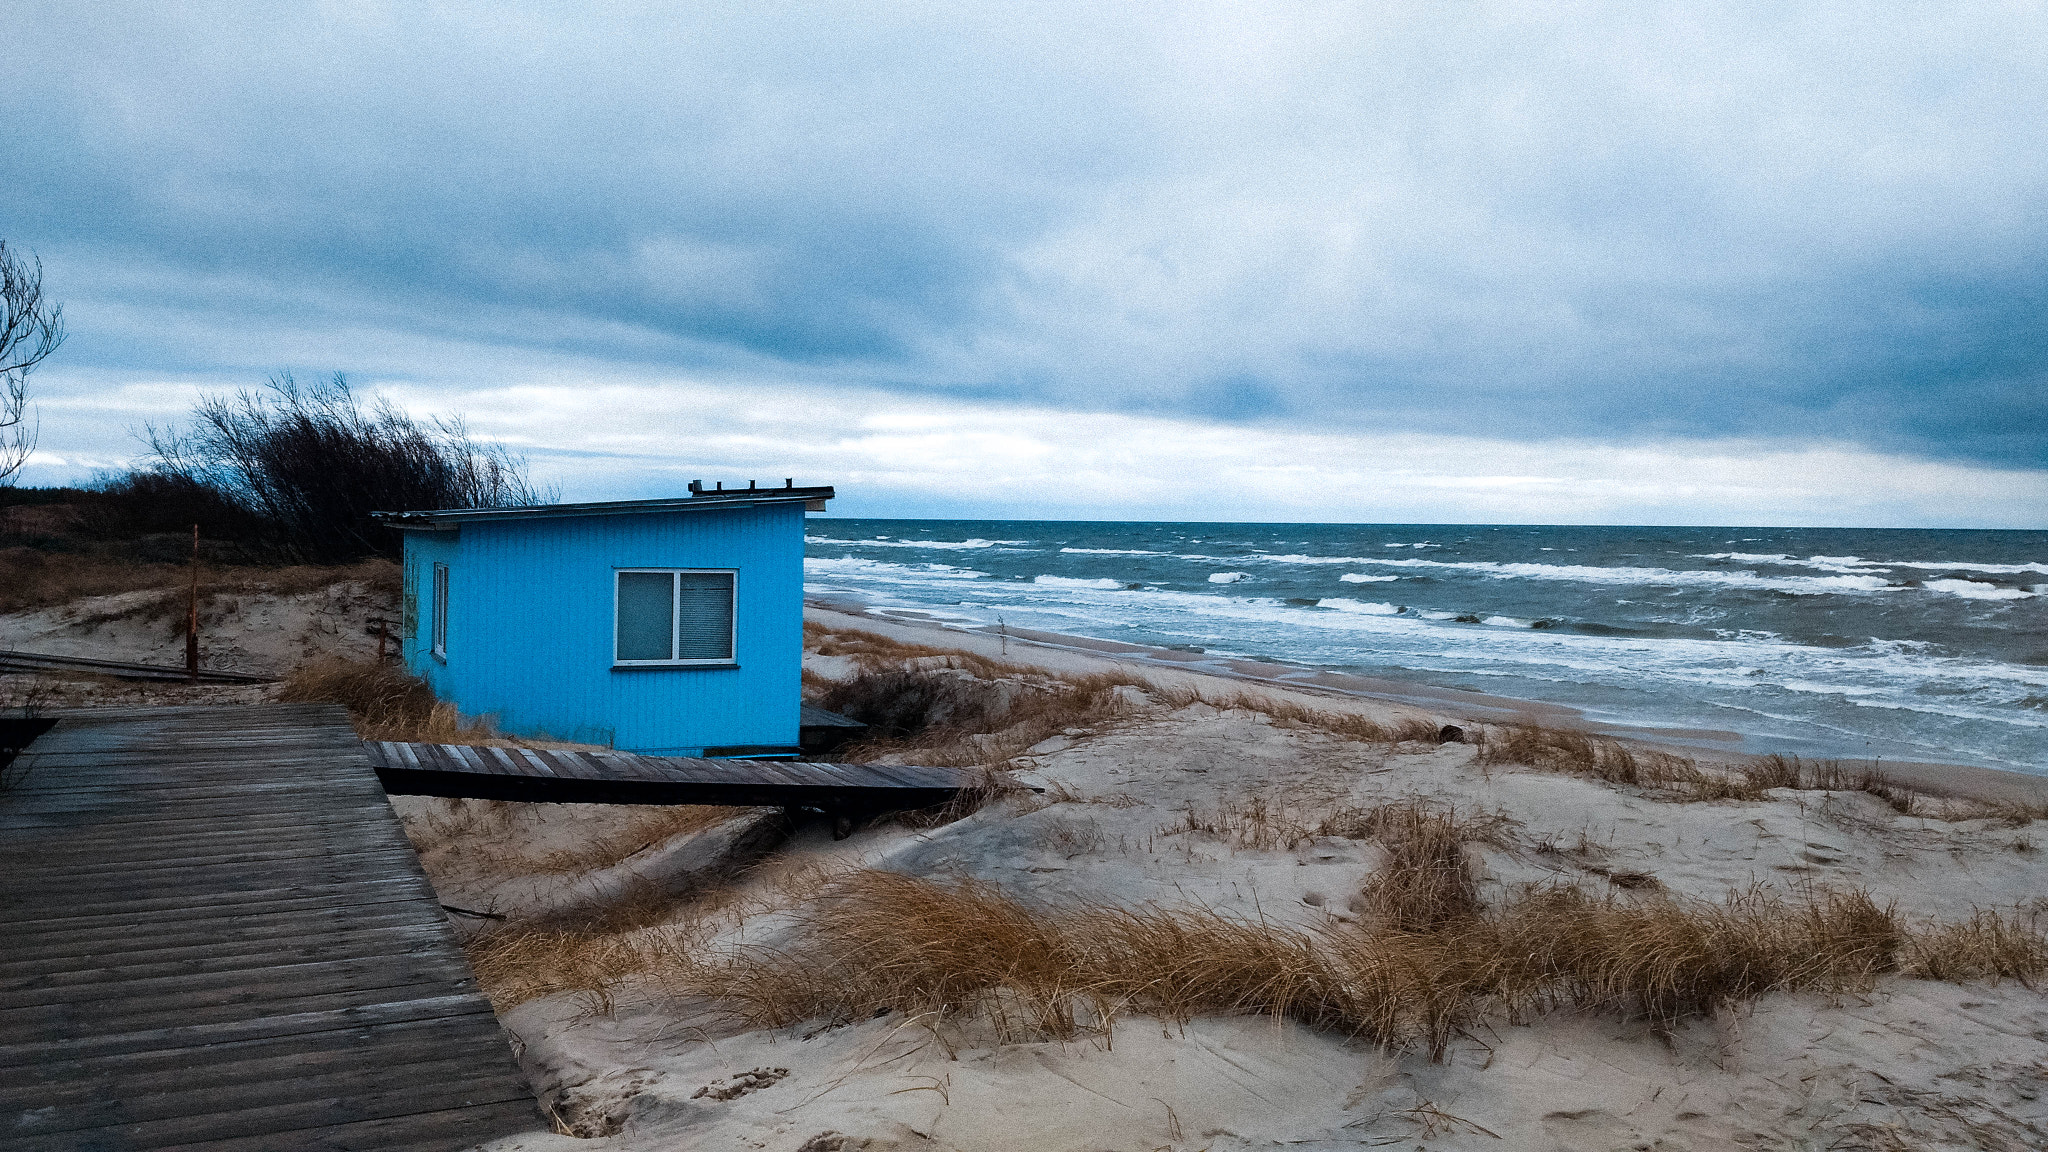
pixel 968 957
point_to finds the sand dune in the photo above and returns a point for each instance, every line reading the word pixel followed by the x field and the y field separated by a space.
pixel 1200 807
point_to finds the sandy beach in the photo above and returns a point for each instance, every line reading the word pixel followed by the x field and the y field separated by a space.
pixel 634 954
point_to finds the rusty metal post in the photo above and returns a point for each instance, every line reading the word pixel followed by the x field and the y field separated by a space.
pixel 192 616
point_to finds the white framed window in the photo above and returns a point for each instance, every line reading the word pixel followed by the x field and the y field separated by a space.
pixel 439 644
pixel 672 616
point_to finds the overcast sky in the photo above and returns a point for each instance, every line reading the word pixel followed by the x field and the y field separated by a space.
pixel 1547 262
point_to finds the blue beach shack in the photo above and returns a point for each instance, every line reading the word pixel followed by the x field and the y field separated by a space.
pixel 669 627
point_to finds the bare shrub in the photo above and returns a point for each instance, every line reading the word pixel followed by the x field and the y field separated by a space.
pixel 310 463
pixel 897 704
pixel 946 715
pixel 385 702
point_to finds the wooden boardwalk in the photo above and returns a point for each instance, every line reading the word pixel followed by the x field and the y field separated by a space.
pixel 626 778
pixel 218 937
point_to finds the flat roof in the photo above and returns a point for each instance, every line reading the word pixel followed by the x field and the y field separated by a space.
pixel 812 499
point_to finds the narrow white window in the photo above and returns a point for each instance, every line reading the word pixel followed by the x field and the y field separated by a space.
pixel 673 616
pixel 440 642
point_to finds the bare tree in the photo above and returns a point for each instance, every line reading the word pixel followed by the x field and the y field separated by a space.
pixel 30 329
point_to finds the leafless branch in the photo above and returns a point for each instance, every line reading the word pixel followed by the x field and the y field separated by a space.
pixel 30 329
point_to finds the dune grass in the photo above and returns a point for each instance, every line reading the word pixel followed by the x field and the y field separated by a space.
pixel 30 578
pixel 384 701
pixel 968 954
pixel 968 957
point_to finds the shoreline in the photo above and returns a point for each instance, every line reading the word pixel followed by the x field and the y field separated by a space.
pixel 1961 781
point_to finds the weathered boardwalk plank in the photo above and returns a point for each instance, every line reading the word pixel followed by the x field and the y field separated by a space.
pixel 557 776
pixel 219 938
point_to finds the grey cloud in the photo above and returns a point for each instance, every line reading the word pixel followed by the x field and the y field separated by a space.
pixel 1581 221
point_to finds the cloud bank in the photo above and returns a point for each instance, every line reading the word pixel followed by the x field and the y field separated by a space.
pixel 1555 233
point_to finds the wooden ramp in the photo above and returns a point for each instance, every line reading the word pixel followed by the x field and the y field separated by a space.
pixel 626 778
pixel 218 937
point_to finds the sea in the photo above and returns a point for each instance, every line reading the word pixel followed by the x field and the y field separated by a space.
pixel 1892 644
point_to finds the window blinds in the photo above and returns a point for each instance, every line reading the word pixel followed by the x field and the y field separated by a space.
pixel 703 615
pixel 646 620
pixel 679 616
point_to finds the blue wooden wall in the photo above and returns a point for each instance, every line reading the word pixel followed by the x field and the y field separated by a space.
pixel 530 627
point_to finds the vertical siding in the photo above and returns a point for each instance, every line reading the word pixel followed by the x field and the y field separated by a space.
pixel 423 550
pixel 530 627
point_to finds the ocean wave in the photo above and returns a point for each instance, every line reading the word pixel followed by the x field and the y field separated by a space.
pixel 1228 577
pixel 944 545
pixel 1364 607
pixel 1112 552
pixel 1860 565
pixel 861 565
pixel 1362 578
pixel 1075 582
pixel 1977 590
pixel 1590 574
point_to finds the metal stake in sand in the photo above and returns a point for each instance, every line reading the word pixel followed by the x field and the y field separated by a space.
pixel 192 616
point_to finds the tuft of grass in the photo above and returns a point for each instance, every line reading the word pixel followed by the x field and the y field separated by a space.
pixel 1988 946
pixel 525 962
pixel 1603 758
pixel 1426 882
pixel 384 701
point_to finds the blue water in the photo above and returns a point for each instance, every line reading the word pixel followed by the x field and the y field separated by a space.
pixel 1897 644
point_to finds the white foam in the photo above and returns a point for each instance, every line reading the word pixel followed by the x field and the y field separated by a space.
pixel 1228 577
pixel 1363 607
pixel 1507 622
pixel 1362 578
pixel 1111 552
pixel 1953 566
pixel 1859 564
pixel 861 565
pixel 1591 574
pixel 944 545
pixel 1975 590
pixel 1072 582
